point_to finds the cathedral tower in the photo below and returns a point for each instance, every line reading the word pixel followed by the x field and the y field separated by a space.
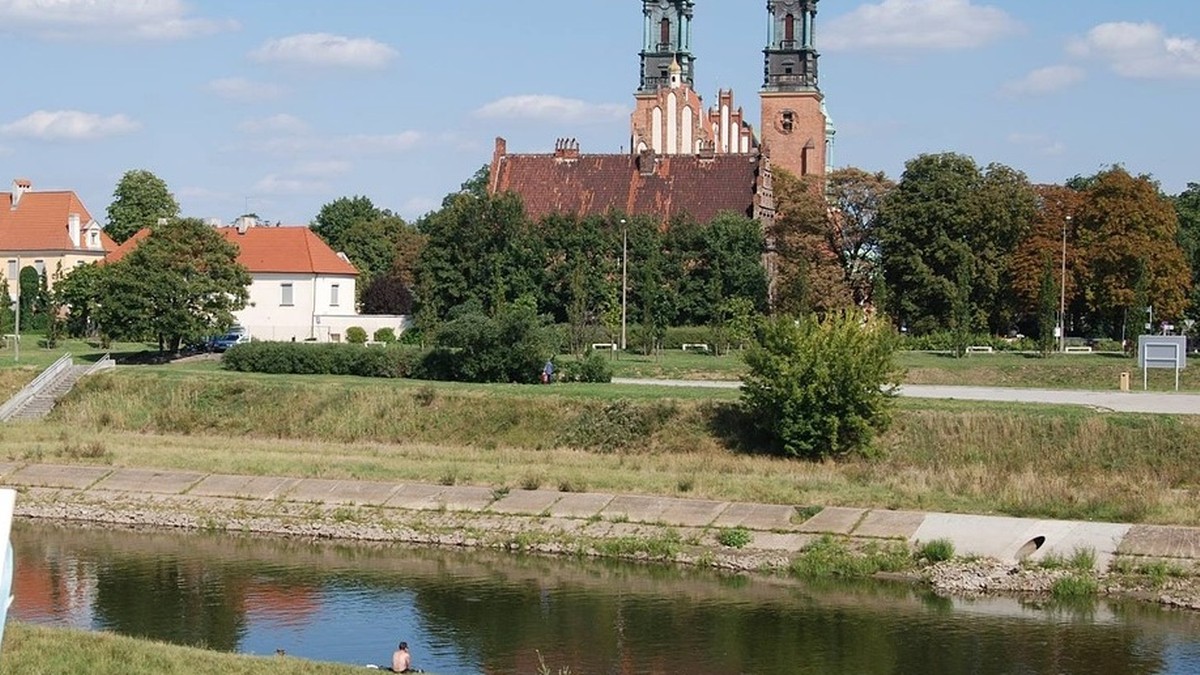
pixel 666 38
pixel 794 124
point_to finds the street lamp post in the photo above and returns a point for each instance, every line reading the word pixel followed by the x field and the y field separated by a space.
pixel 624 277
pixel 17 322
pixel 1062 299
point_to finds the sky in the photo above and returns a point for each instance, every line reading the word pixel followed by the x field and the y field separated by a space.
pixel 279 106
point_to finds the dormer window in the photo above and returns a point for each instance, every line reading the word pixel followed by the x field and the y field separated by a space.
pixel 93 240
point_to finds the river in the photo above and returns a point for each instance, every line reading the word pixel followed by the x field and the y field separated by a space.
pixel 488 612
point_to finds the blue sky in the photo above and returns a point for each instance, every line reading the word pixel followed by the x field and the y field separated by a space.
pixel 279 106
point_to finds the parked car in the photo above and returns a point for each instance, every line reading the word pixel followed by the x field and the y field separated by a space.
pixel 228 340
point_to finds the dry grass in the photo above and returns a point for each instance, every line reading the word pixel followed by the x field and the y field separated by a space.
pixel 946 456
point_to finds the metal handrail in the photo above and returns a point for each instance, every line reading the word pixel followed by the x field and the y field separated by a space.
pixel 34 388
pixel 106 362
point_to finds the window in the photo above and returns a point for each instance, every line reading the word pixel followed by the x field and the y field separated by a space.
pixel 12 270
pixel 40 266
pixel 93 238
pixel 789 121
pixel 333 295
pixel 789 28
pixel 664 29
pixel 285 298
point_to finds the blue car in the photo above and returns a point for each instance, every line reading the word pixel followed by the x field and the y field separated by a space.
pixel 228 340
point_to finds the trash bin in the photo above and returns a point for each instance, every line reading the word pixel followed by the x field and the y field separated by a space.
pixel 1125 381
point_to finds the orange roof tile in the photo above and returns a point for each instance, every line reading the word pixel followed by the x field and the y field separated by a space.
pixel 39 222
pixel 281 250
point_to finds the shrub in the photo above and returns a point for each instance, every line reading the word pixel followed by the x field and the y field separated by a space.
pixel 591 368
pixel 819 389
pixel 511 346
pixel 734 537
pixel 677 337
pixel 301 358
pixel 386 335
pixel 616 425
pixel 1074 586
pixel 936 551
pixel 356 335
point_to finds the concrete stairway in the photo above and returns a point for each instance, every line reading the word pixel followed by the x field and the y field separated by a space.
pixel 40 405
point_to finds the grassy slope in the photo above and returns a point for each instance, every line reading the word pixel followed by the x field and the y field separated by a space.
pixel 954 456
pixel 32 650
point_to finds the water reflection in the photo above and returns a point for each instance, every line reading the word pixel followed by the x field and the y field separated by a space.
pixel 478 612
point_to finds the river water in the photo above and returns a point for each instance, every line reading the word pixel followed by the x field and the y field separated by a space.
pixel 485 612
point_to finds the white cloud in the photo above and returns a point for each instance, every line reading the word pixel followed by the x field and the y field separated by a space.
pixel 549 108
pixel 244 91
pixel 1046 80
pixel 1140 50
pixel 324 49
pixel 918 24
pixel 275 124
pixel 69 125
pixel 1040 143
pixel 87 19
pixel 275 184
pixel 322 167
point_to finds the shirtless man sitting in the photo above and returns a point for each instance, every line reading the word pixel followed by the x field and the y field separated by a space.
pixel 401 659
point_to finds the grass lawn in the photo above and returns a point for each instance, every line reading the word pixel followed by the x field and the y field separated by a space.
pixel 35 650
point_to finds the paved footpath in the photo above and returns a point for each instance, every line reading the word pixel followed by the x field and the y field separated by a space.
pixel 774 527
pixel 1116 401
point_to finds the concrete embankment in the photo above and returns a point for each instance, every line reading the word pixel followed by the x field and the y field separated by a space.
pixel 678 530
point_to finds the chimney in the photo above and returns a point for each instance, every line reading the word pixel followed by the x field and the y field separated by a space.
pixel 566 149
pixel 646 161
pixel 19 188
pixel 244 223
pixel 708 151
pixel 494 170
pixel 73 229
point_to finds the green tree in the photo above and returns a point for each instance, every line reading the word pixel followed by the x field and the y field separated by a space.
pixel 855 199
pixel 1129 235
pixel 510 346
pixel 821 388
pixel 33 299
pixel 78 294
pixel 183 281
pixel 1187 205
pixel 1048 300
pixel 139 201
pixel 946 216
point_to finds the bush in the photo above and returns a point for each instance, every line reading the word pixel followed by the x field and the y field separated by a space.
pixel 356 335
pixel 679 336
pixel 591 368
pixel 300 358
pixel 734 537
pixel 511 346
pixel 616 425
pixel 938 550
pixel 386 335
pixel 816 389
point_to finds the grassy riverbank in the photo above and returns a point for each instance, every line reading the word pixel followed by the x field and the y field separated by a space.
pixel 1061 462
pixel 35 650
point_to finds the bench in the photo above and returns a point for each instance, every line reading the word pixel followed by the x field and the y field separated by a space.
pixel 611 346
pixel 1077 350
pixel 695 345
pixel 979 349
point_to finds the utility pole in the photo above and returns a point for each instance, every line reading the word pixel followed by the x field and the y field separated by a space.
pixel 624 277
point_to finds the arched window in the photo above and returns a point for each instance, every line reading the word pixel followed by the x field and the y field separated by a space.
pixel 789 28
pixel 665 32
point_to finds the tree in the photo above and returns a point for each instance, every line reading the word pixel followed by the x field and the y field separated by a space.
pixel 855 199
pixel 366 234
pixel 1058 210
pixel 1187 206
pixel 1129 234
pixel 139 201
pixel 808 272
pixel 78 293
pixel 387 295
pixel 949 222
pixel 510 346
pixel 1047 310
pixel 182 281
pixel 821 388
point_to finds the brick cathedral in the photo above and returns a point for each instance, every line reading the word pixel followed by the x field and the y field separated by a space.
pixel 683 157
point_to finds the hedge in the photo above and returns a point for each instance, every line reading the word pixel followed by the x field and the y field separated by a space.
pixel 300 358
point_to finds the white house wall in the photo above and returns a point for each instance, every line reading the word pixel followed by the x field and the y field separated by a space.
pixel 265 316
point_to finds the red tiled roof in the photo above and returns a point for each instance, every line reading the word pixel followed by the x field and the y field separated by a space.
pixel 39 223
pixel 597 184
pixel 283 250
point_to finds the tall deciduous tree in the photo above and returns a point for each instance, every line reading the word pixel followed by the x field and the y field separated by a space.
pixel 855 198
pixel 947 224
pixel 139 201
pixel 182 281
pixel 1058 211
pixel 808 271
pixel 1187 205
pixel 1129 233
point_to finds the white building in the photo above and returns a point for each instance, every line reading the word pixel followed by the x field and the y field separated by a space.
pixel 301 289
